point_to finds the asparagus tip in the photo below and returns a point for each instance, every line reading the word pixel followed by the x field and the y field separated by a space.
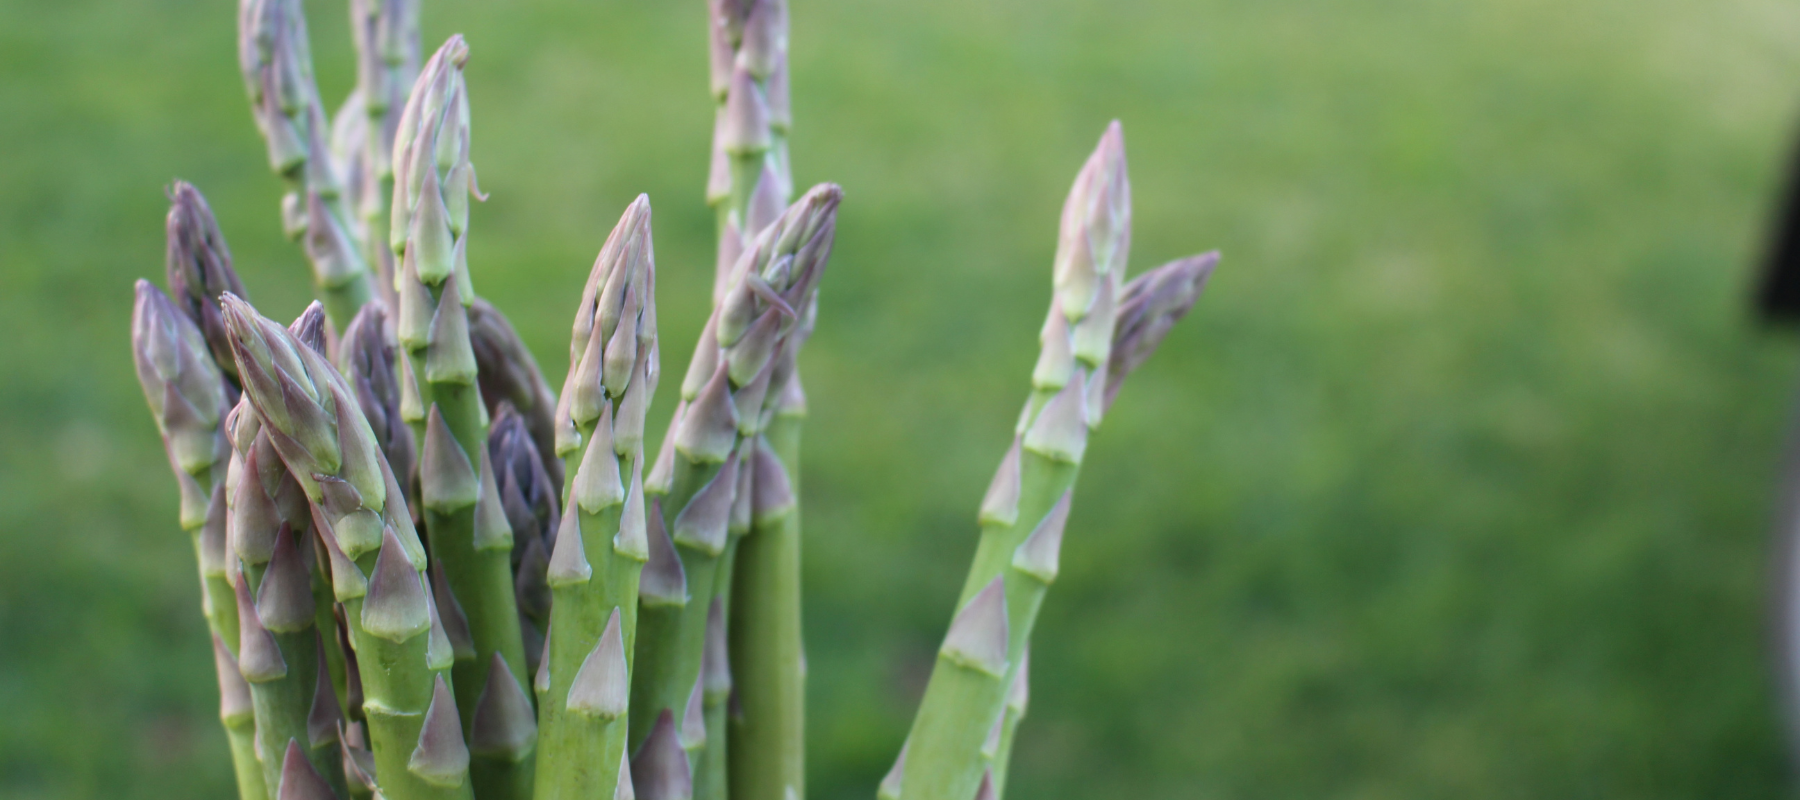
pixel 978 635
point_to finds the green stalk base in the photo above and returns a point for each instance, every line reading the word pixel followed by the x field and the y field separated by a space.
pixel 944 759
pixel 579 755
pixel 767 759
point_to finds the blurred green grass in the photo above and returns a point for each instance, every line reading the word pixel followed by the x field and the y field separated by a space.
pixel 1456 483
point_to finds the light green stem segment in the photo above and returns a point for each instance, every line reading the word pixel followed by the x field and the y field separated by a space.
pixel 1003 756
pixel 240 734
pixel 281 710
pixel 581 752
pixel 481 581
pixel 768 735
pixel 219 603
pixel 397 687
pixel 711 781
pixel 945 758
pixel 672 638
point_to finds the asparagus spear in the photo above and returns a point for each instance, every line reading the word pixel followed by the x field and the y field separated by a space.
pixel 750 181
pixel 1096 332
pixel 509 374
pixel 386 36
pixel 1149 306
pixel 185 391
pixel 470 540
pixel 602 543
pixel 281 654
pixel 374 555
pixel 733 386
pixel 275 59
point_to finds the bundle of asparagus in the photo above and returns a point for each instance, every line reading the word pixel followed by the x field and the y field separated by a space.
pixel 429 575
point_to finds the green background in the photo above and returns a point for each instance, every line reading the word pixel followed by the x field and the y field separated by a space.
pixel 1456 483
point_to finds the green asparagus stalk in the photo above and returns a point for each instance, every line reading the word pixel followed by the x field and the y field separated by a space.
pixel 386 36
pixel 733 385
pixel 603 542
pixel 375 559
pixel 275 59
pixel 509 374
pixel 280 649
pixel 962 722
pixel 471 541
pixel 185 391
pixel 749 183
pixel 1149 306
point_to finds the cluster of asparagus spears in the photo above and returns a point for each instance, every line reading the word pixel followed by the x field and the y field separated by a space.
pixel 429 575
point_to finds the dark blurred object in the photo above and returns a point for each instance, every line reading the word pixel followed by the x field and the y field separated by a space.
pixel 1778 288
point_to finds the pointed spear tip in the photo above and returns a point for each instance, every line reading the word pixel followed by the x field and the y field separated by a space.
pixel 664 580
pixel 441 758
pixel 661 770
pixel 986 790
pixel 1000 506
pixel 259 658
pixel 693 716
pixel 447 480
pixel 285 601
pixel 299 781
pixel 568 557
pixel 1149 307
pixel 540 682
pixel 602 686
pixel 1061 428
pixel 395 607
pixel 1039 555
pixel 504 722
pixel 624 790
pixel 890 785
pixel 234 692
pixel 309 327
pixel 978 635
pixel 1018 695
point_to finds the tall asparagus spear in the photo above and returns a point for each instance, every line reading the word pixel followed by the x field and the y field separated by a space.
pixel 275 58
pixel 471 542
pixel 603 542
pixel 386 36
pixel 962 724
pixel 749 182
pixel 309 413
pixel 733 386
pixel 281 652
pixel 184 389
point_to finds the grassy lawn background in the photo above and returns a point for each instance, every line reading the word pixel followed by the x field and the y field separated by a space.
pixel 1456 483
